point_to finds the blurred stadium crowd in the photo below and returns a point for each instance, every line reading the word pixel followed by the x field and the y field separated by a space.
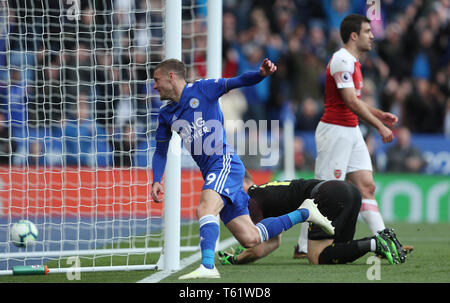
pixel 407 72
pixel 80 79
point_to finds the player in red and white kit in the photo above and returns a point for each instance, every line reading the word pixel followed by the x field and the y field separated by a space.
pixel 341 150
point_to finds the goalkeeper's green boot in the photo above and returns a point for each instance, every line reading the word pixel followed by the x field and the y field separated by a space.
pixel 400 251
pixel 226 258
pixel 384 248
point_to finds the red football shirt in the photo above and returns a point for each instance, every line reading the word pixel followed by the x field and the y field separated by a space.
pixel 343 70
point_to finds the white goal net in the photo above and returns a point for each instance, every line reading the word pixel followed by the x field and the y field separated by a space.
pixel 77 125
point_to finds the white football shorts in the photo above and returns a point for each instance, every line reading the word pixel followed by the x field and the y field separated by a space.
pixel 340 150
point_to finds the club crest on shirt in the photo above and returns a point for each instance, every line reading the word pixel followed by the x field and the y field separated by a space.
pixel 337 173
pixel 194 103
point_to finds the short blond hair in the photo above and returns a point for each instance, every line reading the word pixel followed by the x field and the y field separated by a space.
pixel 173 65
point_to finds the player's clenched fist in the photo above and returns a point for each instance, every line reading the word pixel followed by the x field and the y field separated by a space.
pixel 386 134
pixel 267 68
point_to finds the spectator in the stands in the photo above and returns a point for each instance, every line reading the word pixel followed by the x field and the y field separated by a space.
pixel 125 145
pixel 403 156
pixel 36 154
pixel 79 134
pixel 5 144
pixel 309 115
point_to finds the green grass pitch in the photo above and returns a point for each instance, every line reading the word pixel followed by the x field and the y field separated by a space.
pixel 428 263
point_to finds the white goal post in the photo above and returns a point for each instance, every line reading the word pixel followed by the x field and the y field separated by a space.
pixel 88 202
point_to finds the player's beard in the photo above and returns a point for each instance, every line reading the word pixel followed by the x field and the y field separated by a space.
pixel 163 95
pixel 365 48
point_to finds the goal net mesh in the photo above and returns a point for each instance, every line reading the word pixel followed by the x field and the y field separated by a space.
pixel 77 126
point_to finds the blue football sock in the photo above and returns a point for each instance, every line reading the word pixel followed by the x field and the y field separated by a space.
pixel 271 227
pixel 209 232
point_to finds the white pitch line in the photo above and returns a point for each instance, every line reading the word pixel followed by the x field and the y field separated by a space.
pixel 156 277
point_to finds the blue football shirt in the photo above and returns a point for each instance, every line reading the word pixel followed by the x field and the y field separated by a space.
pixel 198 119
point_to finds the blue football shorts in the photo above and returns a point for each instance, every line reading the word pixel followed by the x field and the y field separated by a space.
pixel 226 177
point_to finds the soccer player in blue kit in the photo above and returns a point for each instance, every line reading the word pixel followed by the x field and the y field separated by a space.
pixel 193 111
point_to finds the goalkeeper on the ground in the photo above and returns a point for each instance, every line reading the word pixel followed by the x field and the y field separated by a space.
pixel 340 201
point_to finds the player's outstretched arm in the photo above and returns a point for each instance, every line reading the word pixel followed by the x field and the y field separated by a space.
pixel 267 68
pixel 251 254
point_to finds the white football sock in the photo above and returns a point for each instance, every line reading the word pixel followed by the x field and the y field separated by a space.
pixel 371 215
pixel 373 245
pixel 303 237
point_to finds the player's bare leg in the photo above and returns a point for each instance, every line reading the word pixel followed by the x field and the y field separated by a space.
pixel 363 179
pixel 369 209
pixel 315 248
pixel 245 231
pixel 210 205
